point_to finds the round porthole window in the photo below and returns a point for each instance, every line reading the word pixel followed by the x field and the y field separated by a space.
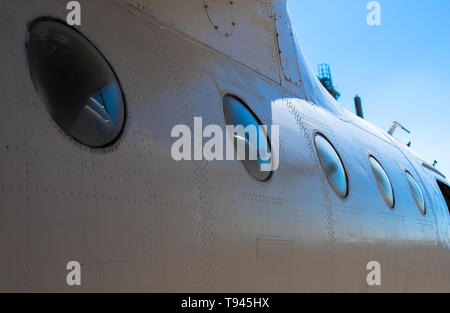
pixel 383 182
pixel 250 138
pixel 417 193
pixel 332 165
pixel 76 83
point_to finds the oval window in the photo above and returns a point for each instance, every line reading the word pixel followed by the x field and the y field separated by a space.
pixel 332 165
pixel 76 83
pixel 383 182
pixel 249 137
pixel 417 193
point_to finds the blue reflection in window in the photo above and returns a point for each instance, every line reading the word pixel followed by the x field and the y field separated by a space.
pixel 417 193
pixel 332 166
pixel 109 99
pixel 383 182
pixel 65 74
pixel 257 150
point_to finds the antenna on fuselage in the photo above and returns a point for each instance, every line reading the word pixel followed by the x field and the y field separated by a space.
pixel 394 127
pixel 358 107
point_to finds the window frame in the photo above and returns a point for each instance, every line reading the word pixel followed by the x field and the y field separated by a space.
pixel 425 207
pixel 371 156
pixel 347 179
pixel 253 114
pixel 70 134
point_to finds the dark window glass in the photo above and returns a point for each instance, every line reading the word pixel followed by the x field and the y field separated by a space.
pixel 332 165
pixel 76 83
pixel 383 182
pixel 256 144
pixel 417 193
pixel 445 193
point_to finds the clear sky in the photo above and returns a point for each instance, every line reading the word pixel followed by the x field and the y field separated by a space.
pixel 400 69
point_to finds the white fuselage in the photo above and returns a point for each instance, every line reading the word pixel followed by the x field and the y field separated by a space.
pixel 137 220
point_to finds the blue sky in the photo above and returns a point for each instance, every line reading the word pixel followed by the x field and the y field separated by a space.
pixel 400 69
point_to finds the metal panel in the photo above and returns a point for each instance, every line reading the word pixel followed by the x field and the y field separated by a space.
pixel 139 221
pixel 250 41
pixel 286 44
